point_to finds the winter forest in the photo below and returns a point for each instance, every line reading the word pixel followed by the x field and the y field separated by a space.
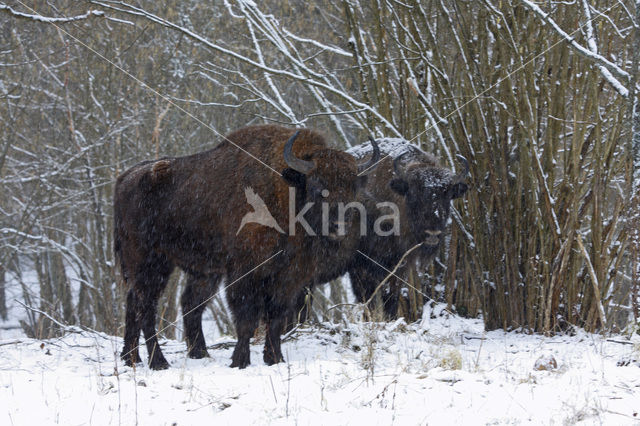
pixel 533 296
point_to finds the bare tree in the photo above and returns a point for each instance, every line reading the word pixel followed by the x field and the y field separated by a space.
pixel 541 98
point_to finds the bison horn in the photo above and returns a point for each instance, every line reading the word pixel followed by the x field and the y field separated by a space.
pixel 303 166
pixel 396 165
pixel 366 168
pixel 460 177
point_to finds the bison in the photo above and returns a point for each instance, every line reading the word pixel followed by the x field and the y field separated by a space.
pixel 188 212
pixel 423 190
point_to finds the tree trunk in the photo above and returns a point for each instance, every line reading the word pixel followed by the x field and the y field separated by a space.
pixel 3 295
pixel 634 166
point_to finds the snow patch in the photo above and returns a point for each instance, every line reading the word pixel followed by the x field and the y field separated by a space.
pixel 441 370
pixel 393 147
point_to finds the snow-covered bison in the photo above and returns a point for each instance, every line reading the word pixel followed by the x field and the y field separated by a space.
pixel 423 190
pixel 187 212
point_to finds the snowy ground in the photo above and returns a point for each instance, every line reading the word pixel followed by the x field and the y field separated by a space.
pixel 445 370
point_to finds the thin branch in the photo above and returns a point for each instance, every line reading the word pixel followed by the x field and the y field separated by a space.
pixel 135 11
pixel 610 71
pixel 392 272
pixel 65 327
pixel 48 19
pixel 594 281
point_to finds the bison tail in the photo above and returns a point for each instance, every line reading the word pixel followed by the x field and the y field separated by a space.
pixel 117 247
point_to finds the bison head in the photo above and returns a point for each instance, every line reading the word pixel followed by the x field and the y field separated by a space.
pixel 325 179
pixel 428 191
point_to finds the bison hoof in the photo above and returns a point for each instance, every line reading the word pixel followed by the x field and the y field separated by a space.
pixel 239 363
pixel 271 359
pixel 198 353
pixel 130 359
pixel 158 363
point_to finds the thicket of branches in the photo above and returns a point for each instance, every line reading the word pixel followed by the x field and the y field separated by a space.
pixel 539 97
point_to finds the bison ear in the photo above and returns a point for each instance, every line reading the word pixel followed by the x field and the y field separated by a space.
pixel 458 190
pixel 294 178
pixel 399 186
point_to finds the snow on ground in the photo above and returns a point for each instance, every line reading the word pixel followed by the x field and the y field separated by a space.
pixel 444 370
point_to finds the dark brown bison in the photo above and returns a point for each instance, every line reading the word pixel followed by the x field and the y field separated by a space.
pixel 188 212
pixel 423 190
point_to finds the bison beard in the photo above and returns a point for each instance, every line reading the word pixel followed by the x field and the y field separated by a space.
pixel 185 212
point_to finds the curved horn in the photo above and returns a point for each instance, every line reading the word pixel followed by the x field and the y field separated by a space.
pixel 460 177
pixel 396 164
pixel 303 166
pixel 366 168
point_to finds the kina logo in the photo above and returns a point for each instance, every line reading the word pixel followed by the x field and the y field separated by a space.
pixel 260 213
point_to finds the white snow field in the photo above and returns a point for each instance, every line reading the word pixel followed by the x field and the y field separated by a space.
pixel 444 370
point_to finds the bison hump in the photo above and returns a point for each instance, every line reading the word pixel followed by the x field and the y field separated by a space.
pixel 393 147
pixel 160 171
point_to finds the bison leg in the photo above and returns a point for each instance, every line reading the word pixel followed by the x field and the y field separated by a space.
pixel 157 360
pixel 390 298
pixel 246 308
pixel 364 284
pixel 150 281
pixel 272 353
pixel 277 313
pixel 244 329
pixel 194 300
pixel 129 353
